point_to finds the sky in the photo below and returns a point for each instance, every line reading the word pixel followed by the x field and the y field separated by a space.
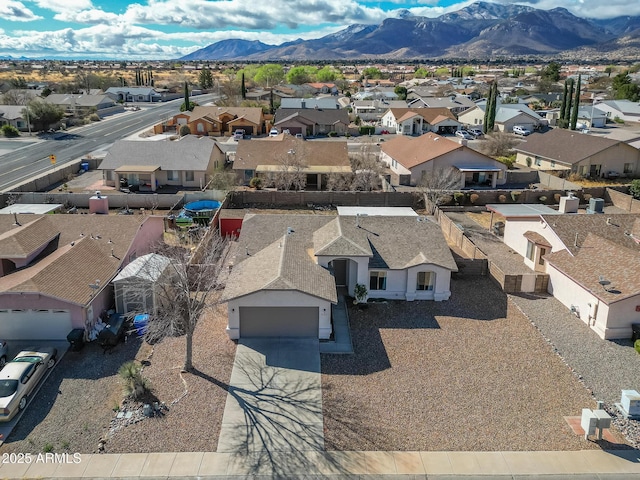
pixel 169 29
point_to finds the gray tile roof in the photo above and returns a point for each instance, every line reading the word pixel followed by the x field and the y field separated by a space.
pixel 319 116
pixel 188 153
pixel 329 240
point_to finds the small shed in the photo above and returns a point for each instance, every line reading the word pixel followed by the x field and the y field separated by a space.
pixel 135 285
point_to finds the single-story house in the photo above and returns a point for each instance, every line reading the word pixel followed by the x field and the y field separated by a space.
pixel 591 116
pixel 217 121
pixel 56 270
pixel 134 94
pixel 584 154
pixel 311 121
pixel 324 103
pixel 623 109
pixel 410 158
pixel 592 262
pixel 455 103
pixel 508 115
pixel 287 269
pixel 13 115
pixel 82 105
pixel 261 157
pixel 369 110
pixel 188 162
pixel 416 121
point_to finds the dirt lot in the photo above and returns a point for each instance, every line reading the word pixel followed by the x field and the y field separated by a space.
pixel 77 405
pixel 468 374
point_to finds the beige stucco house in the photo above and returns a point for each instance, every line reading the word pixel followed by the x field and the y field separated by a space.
pixel 410 158
pixel 584 154
pixel 416 121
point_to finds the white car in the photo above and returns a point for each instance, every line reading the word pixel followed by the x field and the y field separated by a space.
pixel 464 134
pixel 20 377
pixel 520 130
pixel 477 133
pixel 4 348
pixel 273 132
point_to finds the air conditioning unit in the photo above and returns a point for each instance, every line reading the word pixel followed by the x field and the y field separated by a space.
pixel 596 205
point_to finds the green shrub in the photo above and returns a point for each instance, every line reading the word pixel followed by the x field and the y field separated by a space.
pixel 255 182
pixel 185 130
pixel 507 160
pixel 332 134
pixel 634 188
pixel 515 196
pixel 10 131
pixel 529 161
pixel 636 345
pixel 134 384
pixel 94 117
pixel 617 119
pixel 367 130
pixel 459 197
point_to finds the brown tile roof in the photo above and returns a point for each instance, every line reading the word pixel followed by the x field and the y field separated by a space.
pixel 566 146
pixel 67 272
pixel 22 241
pixel 598 257
pixel 413 151
pixel 271 151
pixel 430 114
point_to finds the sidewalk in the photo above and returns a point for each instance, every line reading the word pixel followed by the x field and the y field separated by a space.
pixel 591 464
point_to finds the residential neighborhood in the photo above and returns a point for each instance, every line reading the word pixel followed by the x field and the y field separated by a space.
pixel 290 278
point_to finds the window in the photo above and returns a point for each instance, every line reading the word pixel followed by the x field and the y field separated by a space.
pixel 538 162
pixel 628 168
pixel 531 250
pixel 378 281
pixel 553 163
pixel 543 252
pixel 188 176
pixel 200 128
pixel 173 175
pixel 425 281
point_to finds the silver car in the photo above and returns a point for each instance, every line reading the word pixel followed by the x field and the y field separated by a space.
pixel 20 377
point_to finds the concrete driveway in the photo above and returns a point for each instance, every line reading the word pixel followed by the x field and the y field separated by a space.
pixel 274 402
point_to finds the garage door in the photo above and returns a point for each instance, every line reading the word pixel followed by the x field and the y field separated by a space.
pixel 278 322
pixel 35 324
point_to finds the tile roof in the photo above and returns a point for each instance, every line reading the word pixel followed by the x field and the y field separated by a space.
pixel 271 150
pixel 329 241
pixel 66 272
pixel 536 238
pixel 188 153
pixel 429 114
pixel 252 114
pixel 413 151
pixel 565 146
pixel 22 241
pixel 598 257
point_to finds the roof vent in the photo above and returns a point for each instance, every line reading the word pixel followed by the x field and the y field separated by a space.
pixel 290 230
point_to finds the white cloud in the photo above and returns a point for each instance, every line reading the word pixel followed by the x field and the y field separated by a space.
pixel 90 17
pixel 15 11
pixel 64 5
pixel 587 8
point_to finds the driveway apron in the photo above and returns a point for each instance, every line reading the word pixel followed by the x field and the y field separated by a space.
pixel 274 402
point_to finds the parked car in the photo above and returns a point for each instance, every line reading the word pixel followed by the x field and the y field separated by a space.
pixel 520 130
pixel 299 135
pixel 464 134
pixel 273 132
pixel 238 135
pixel 4 348
pixel 19 378
pixel 477 133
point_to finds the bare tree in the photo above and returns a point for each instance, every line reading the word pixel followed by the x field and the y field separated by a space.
pixel 437 185
pixel 339 182
pixel 367 169
pixel 291 170
pixel 498 144
pixel 183 287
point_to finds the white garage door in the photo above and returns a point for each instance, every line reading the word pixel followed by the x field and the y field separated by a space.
pixel 35 324
pixel 279 322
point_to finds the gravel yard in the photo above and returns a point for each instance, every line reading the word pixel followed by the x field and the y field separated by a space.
pixel 75 408
pixel 468 374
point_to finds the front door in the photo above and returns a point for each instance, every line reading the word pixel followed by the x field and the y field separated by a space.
pixel 340 272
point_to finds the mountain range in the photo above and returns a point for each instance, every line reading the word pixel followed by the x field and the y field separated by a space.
pixel 481 30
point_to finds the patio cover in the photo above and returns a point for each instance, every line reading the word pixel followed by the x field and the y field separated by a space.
pixel 137 169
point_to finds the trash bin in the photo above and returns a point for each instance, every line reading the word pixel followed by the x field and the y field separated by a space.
pixel 635 329
pixel 84 166
pixel 140 324
pixel 76 339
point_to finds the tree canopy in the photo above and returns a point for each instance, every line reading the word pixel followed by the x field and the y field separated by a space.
pixel 623 88
pixel 269 74
pixel 301 74
pixel 43 114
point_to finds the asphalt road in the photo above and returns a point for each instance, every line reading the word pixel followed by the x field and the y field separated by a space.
pixel 28 162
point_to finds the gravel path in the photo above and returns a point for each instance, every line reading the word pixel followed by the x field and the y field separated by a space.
pixel 468 374
pixel 605 367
